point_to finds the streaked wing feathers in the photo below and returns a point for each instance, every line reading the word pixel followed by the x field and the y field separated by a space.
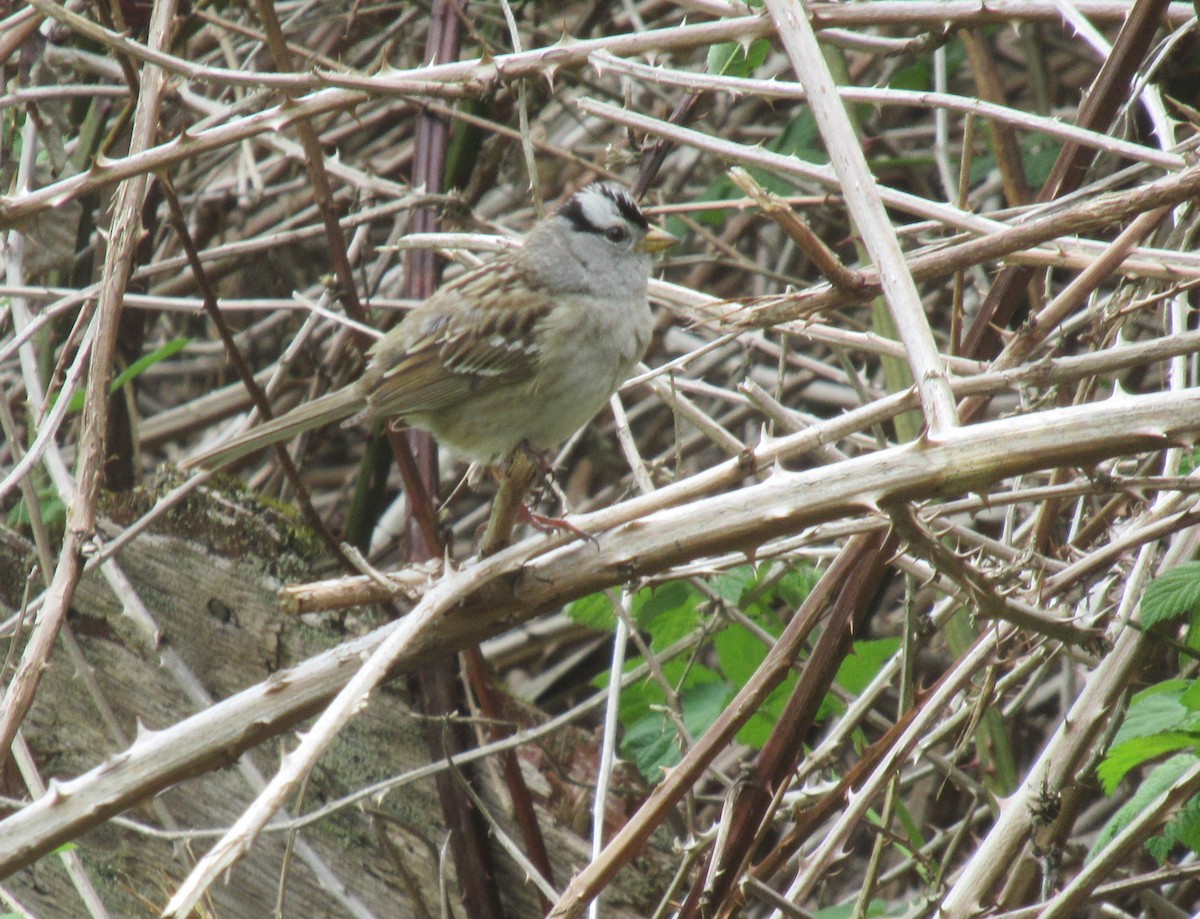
pixel 449 353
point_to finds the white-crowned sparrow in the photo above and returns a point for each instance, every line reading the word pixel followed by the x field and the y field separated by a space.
pixel 525 349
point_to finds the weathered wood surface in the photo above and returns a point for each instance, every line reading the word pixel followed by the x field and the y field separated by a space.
pixel 209 579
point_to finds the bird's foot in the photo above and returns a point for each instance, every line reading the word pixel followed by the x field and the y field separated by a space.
pixel 552 525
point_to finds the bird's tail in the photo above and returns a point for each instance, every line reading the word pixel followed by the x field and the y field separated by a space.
pixel 327 409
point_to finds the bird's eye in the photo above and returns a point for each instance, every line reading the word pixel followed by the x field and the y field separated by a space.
pixel 616 234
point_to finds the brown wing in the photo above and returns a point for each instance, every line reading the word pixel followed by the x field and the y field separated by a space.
pixel 445 350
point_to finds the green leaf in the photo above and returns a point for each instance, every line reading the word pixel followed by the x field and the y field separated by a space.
pixel 796 585
pixel 1170 687
pixel 917 76
pixel 652 745
pixel 637 699
pixel 982 165
pixel 667 611
pixel 857 671
pixel 1172 594
pixel 594 612
pixel 864 662
pixel 703 704
pixel 670 611
pixel 846 910
pixel 1189 461
pixel 1130 755
pixel 53 511
pixel 731 59
pixel 651 741
pixel 800 138
pixel 1183 828
pixel 138 367
pixel 731 585
pixel 739 652
pixel 146 361
pixel 1190 697
pixel 758 727
pixel 721 56
pixel 912 830
pixel 1039 153
pixel 652 602
pixel 1154 714
pixel 684 674
pixel 1159 780
pixel 1191 636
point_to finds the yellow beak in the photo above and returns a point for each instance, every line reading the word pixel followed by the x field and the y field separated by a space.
pixel 656 240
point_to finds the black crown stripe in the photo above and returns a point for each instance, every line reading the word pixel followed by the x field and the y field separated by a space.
pixel 626 205
pixel 572 210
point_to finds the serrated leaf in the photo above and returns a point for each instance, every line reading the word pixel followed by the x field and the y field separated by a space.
pixel 652 745
pixel 1172 594
pixel 651 741
pixel 731 585
pixel 1159 848
pixel 1159 780
pixel 1183 828
pixel 1152 715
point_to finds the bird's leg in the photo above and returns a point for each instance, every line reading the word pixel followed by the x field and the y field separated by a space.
pixel 541 521
pixel 516 475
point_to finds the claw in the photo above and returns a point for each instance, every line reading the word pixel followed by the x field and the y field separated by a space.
pixel 552 524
